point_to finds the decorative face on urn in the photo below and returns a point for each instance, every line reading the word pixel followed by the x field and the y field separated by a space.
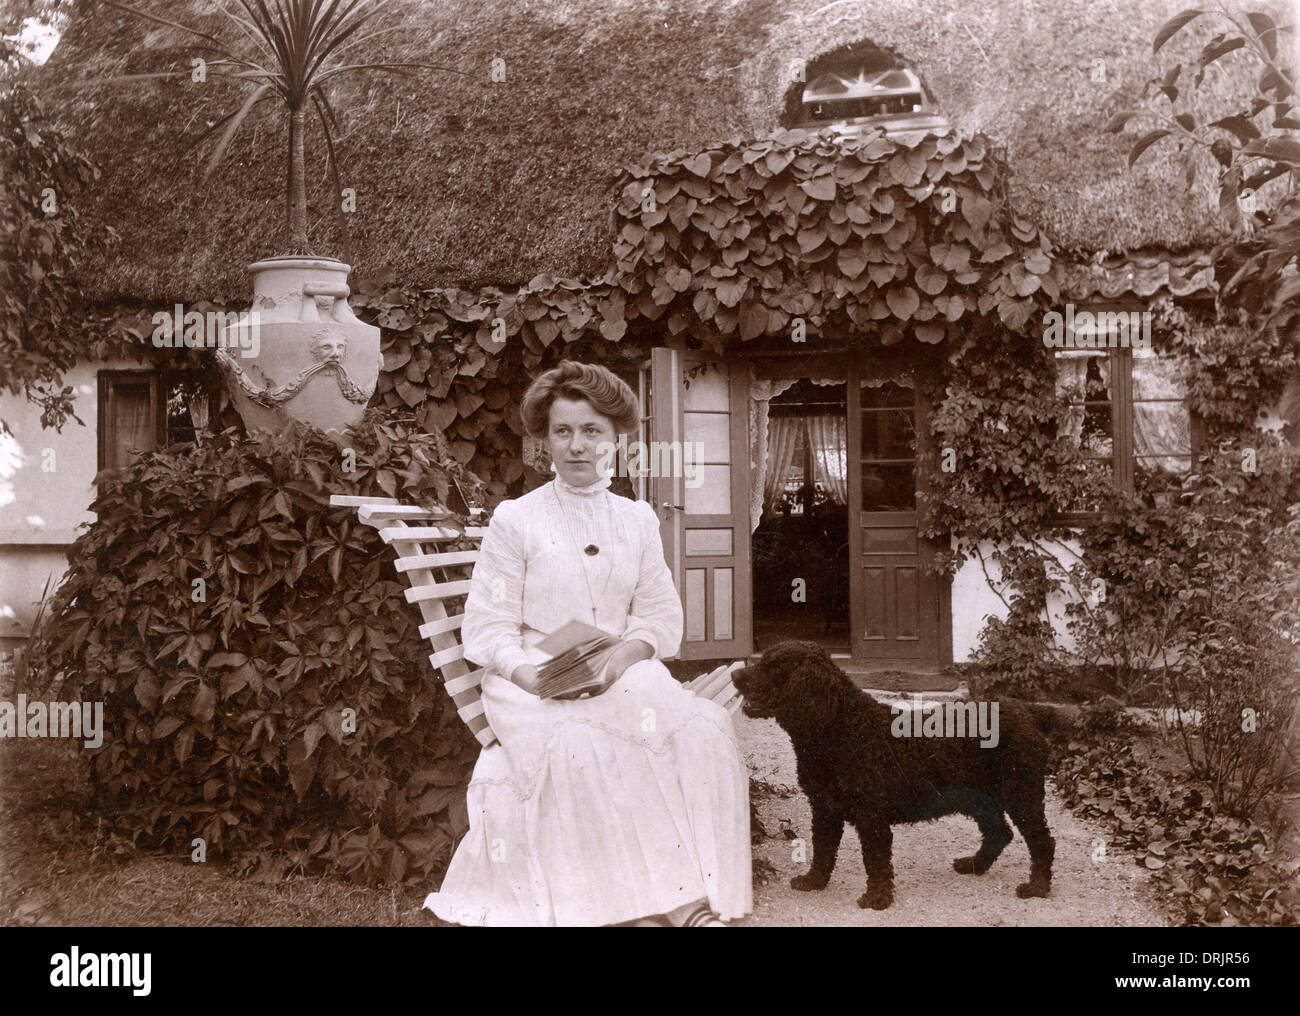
pixel 326 345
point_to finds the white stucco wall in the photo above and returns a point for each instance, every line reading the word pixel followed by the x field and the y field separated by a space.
pixel 973 600
pixel 46 487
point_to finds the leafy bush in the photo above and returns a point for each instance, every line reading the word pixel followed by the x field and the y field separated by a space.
pixel 1216 868
pixel 227 618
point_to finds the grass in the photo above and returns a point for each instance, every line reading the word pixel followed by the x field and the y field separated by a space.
pixel 57 869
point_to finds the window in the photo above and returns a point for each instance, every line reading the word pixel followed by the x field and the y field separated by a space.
pixel 1129 416
pixel 142 410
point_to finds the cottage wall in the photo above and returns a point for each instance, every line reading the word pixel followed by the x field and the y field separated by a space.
pixel 40 509
pixel 974 600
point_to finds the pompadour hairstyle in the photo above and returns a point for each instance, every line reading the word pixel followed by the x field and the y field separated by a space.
pixel 600 387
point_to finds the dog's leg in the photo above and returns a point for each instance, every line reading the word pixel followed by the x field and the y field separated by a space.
pixel 827 828
pixel 877 857
pixel 996 835
pixel 1031 822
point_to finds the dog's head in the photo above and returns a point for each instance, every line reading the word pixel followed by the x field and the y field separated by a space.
pixel 794 682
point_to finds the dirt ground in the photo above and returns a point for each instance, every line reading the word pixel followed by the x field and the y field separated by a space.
pixel 927 892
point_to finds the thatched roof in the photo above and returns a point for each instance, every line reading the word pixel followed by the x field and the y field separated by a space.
pixel 461 181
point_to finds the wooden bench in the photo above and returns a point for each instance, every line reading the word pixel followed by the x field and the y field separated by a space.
pixel 419 536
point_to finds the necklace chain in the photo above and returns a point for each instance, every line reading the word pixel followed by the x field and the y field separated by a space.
pixel 564 515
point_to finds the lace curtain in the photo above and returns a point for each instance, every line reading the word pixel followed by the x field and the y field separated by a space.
pixel 1160 429
pixel 827 436
pixel 765 471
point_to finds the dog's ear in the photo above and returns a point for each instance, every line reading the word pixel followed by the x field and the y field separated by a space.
pixel 811 691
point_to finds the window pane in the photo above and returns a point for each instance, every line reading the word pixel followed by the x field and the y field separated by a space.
pixel 1085 380
pixel 1161 428
pixel 132 425
pixel 888 434
pixel 1156 377
pixel 888 394
pixel 888 488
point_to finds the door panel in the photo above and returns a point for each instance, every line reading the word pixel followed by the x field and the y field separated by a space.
pixel 895 601
pixel 698 413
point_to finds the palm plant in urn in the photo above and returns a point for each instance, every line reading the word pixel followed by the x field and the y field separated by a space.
pixel 310 358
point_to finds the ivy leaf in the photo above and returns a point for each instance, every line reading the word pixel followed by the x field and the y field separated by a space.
pixel 851 262
pixel 613 329
pixel 205 702
pixel 977 210
pixel 903 302
pixel 820 189
pixel 929 332
pixel 184 743
pixel 753 320
pixel 930 280
pixel 679 279
pixel 700 165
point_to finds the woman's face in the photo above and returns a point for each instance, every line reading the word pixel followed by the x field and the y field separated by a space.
pixel 579 439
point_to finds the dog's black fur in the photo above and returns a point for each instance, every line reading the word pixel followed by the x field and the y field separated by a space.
pixel 853 769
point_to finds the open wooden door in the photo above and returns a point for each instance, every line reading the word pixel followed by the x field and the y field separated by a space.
pixel 899 606
pixel 696 427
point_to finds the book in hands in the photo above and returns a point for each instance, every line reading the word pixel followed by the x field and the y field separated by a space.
pixel 580 655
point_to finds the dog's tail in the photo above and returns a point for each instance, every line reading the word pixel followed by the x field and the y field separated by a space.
pixel 1052 719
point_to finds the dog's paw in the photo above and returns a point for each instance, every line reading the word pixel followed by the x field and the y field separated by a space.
pixel 876 899
pixel 808 883
pixel 1029 890
pixel 965 866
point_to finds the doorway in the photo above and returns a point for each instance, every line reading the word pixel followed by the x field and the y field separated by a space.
pixel 801 543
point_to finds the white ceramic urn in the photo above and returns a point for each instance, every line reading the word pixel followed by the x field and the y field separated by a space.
pixel 299 352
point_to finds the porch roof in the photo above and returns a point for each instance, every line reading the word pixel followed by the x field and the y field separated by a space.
pixel 462 182
pixel 1141 275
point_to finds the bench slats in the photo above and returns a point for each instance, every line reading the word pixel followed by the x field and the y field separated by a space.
pixel 445 560
pixel 437 591
pixel 446 656
pixel 400 511
pixel 357 500
pixel 445 624
pixel 466 682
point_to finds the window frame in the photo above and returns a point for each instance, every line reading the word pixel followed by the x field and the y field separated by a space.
pixel 105 430
pixel 160 381
pixel 1123 449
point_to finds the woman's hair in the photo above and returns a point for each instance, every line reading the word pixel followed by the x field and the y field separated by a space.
pixel 600 387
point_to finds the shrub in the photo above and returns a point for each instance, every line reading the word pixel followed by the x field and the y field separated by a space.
pixel 227 618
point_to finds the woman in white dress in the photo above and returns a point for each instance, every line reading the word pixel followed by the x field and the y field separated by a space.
pixel 631 805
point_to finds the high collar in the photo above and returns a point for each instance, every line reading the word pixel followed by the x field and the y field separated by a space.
pixel 590 490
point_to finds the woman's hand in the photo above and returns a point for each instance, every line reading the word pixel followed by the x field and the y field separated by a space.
pixel 525 676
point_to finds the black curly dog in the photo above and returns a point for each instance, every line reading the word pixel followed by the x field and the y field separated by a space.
pixel 853 769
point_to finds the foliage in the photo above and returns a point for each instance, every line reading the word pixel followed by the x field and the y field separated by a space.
pixel 40 173
pixel 904 236
pixel 1256 268
pixel 1216 868
pixel 298 47
pixel 225 698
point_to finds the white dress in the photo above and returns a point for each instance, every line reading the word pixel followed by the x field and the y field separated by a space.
pixel 599 810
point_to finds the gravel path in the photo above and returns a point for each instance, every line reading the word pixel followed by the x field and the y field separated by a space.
pixel 927 892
